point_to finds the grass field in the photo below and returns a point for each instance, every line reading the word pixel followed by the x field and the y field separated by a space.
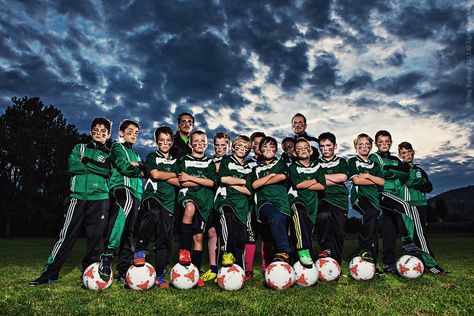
pixel 22 259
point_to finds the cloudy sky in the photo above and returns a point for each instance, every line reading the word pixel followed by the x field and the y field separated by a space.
pixel 241 66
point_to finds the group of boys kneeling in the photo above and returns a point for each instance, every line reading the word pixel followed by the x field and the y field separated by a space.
pixel 284 199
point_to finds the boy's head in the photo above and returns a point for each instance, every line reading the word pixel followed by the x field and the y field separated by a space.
pixel 303 149
pixel 268 147
pixel 128 131
pixel 164 138
pixel 101 129
pixel 327 144
pixel 256 138
pixel 298 124
pixel 288 146
pixel 241 146
pixel 406 152
pixel 383 141
pixel 185 123
pixel 221 144
pixel 363 144
pixel 198 142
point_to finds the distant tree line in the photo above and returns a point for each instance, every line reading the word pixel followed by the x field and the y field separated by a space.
pixel 35 142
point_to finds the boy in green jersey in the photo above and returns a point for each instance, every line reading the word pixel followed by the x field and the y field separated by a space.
pixel 196 176
pixel 414 192
pixel 221 146
pixel 334 205
pixel 306 178
pixel 366 179
pixel 88 203
pixel 126 188
pixel 269 180
pixel 232 201
pixel 396 211
pixel 158 204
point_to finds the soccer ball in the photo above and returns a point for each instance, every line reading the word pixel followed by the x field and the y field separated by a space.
pixel 141 278
pixel 410 267
pixel 361 269
pixel 184 277
pixel 279 275
pixel 231 278
pixel 305 276
pixel 92 280
pixel 329 269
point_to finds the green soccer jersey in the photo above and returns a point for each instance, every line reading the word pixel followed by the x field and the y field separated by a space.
pixel 357 165
pixel 309 198
pixel 124 174
pixel 160 190
pixel 392 171
pixel 336 194
pixel 202 197
pixel 225 195
pixel 415 188
pixel 275 194
pixel 90 167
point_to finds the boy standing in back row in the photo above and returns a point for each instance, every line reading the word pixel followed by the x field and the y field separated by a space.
pixel 88 203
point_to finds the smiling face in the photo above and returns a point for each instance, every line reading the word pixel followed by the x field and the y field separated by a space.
pixel 185 124
pixel 298 125
pixel 198 143
pixel 130 134
pixel 100 133
pixel 164 142
pixel 384 143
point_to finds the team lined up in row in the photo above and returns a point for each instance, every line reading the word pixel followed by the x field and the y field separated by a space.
pixel 236 198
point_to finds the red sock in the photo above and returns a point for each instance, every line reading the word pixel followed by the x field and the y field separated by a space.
pixel 249 255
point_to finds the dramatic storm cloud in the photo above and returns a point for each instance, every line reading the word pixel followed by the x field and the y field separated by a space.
pixel 243 66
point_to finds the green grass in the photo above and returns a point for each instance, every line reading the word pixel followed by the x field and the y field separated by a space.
pixel 21 260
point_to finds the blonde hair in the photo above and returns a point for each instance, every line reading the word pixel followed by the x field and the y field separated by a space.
pixel 242 139
pixel 360 136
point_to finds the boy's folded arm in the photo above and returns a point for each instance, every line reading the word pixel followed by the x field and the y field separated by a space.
pixel 228 180
pixel 94 166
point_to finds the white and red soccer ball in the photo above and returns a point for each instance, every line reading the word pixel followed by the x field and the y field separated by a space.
pixel 328 268
pixel 361 270
pixel 184 277
pixel 279 275
pixel 231 278
pixel 305 276
pixel 141 278
pixel 410 267
pixel 92 280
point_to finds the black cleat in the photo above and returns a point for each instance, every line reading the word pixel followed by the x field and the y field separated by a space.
pixel 43 279
pixel 105 266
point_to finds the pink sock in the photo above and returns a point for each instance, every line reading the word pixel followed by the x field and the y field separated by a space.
pixel 249 255
pixel 264 262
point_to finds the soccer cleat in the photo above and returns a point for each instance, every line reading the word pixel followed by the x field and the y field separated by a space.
pixel 281 256
pixel 209 276
pixel 43 279
pixel 249 275
pixel 228 259
pixel 390 268
pixel 161 281
pixel 122 278
pixel 412 249
pixel 379 273
pixel 184 257
pixel 139 258
pixel 305 257
pixel 200 282
pixel 105 266
pixel 324 253
pixel 367 256
pixel 438 271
